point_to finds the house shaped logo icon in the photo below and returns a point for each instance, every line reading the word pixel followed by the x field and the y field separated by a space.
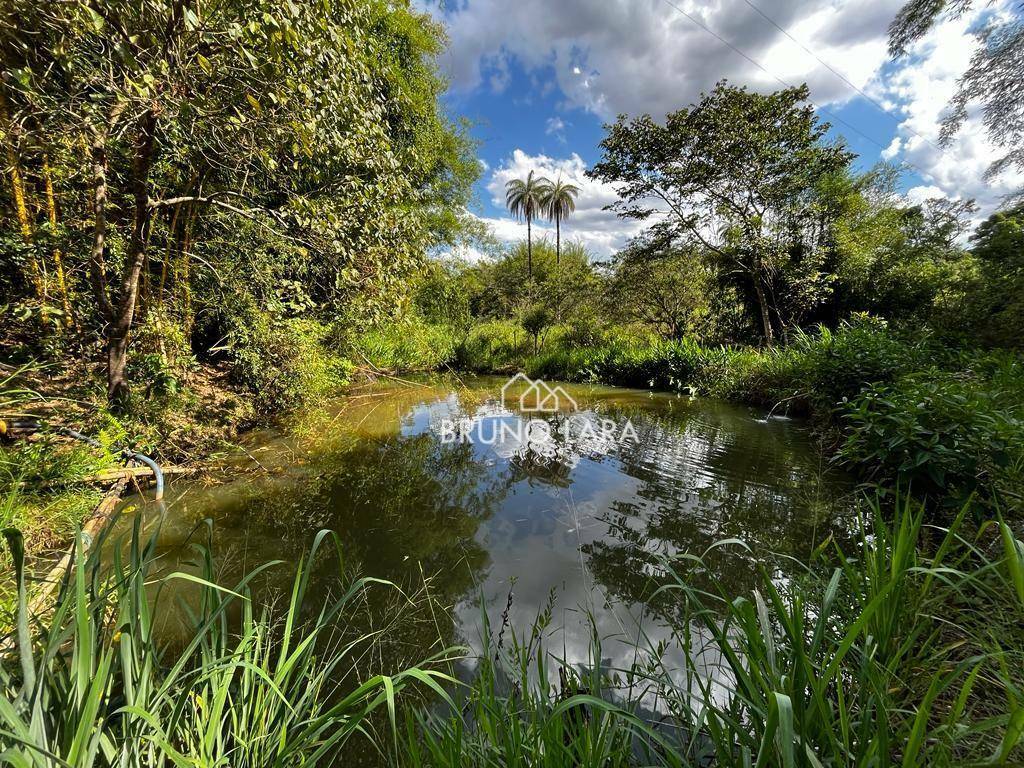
pixel 536 397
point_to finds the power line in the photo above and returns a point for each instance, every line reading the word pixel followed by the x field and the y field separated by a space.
pixel 768 72
pixel 881 107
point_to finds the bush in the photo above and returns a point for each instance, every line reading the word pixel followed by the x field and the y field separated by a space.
pixel 945 435
pixel 283 362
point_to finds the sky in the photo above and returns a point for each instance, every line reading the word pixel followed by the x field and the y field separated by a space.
pixel 539 78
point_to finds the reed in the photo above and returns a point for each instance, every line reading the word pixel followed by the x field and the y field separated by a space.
pixel 907 651
pixel 884 657
pixel 251 686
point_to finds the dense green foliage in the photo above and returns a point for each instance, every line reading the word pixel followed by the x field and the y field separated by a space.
pixel 189 180
pixel 249 192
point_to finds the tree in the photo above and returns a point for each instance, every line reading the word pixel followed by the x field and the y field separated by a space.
pixel 731 176
pixel 998 299
pixel 993 77
pixel 668 291
pixel 501 287
pixel 295 151
pixel 525 200
pixel 558 200
pixel 536 319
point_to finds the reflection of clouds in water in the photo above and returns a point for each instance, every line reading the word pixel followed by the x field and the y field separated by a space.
pixel 538 556
pixel 682 484
pixel 566 438
pixel 575 510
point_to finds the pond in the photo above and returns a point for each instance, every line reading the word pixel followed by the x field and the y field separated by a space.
pixel 569 511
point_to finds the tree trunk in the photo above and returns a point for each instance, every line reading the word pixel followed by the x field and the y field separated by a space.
pixel 529 251
pixel 117 334
pixel 762 303
pixel 58 258
pixel 10 131
pixel 558 240
pixel 97 261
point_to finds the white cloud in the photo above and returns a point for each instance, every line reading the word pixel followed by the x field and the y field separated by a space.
pixel 637 56
pixel 601 232
pixel 644 56
pixel 922 87
pixel 555 126
pixel 921 193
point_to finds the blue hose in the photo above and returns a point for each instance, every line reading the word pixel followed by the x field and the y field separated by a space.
pixel 157 474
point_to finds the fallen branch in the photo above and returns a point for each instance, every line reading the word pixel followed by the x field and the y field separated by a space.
pixel 108 475
pixel 90 530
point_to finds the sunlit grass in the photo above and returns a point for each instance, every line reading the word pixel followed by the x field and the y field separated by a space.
pixel 907 651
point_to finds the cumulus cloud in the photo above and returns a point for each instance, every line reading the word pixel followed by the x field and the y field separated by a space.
pixel 646 56
pixel 922 87
pixel 893 149
pixel 637 56
pixel 601 232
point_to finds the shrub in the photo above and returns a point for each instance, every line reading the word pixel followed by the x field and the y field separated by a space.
pixel 283 362
pixel 947 435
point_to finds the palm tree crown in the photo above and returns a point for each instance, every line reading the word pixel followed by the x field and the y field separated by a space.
pixel 525 201
pixel 558 200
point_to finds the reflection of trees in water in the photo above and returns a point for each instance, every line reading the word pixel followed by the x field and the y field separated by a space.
pixel 404 508
pixel 398 505
pixel 705 480
pixel 550 455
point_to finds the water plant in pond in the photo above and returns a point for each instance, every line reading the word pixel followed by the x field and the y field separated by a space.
pixel 885 656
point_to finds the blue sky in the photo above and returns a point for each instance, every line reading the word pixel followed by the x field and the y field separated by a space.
pixel 539 78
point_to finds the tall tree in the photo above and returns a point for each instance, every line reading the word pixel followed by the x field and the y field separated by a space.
pixel 995 77
pixel 668 291
pixel 286 147
pixel 559 201
pixel 998 300
pixel 731 175
pixel 525 200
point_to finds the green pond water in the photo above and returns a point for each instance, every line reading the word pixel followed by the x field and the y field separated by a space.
pixel 442 480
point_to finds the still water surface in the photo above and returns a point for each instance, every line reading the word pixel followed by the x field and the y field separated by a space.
pixel 579 524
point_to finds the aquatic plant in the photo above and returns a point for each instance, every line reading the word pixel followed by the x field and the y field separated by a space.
pixel 908 651
pixel 902 653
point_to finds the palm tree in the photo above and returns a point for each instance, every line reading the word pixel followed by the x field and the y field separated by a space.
pixel 524 201
pixel 559 201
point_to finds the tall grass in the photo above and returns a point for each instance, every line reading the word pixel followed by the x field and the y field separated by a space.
pixel 249 686
pixel 908 651
pixel 883 657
